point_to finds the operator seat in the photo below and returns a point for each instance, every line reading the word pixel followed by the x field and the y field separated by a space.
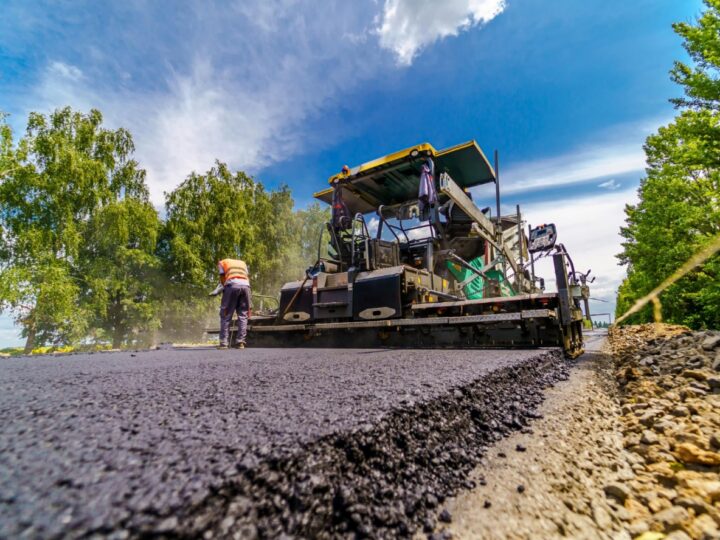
pixel 341 240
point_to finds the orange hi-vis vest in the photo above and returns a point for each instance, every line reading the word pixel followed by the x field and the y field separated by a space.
pixel 233 268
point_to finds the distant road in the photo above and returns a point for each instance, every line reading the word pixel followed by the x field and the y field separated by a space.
pixel 117 441
pixel 594 339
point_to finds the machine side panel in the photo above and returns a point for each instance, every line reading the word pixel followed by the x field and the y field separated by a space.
pixel 302 309
pixel 378 297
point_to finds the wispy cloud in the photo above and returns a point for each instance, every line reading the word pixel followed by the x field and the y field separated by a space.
pixel 407 26
pixel 60 84
pixel 579 166
pixel 239 83
pixel 589 226
pixel 242 82
pixel 617 152
pixel 611 184
pixel 65 71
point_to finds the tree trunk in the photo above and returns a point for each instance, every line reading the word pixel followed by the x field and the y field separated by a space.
pixel 152 342
pixel 30 340
pixel 116 322
pixel 117 337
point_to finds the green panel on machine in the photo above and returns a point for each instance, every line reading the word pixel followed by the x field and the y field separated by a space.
pixel 474 288
pixel 475 284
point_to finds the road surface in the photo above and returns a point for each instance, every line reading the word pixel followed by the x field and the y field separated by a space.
pixel 124 444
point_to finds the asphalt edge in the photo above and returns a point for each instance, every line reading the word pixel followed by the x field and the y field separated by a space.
pixel 382 480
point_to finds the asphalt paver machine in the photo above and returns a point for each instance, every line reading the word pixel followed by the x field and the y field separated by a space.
pixel 412 261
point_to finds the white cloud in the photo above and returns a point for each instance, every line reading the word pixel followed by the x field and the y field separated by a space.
pixel 57 88
pixel 589 228
pixel 582 165
pixel 204 117
pixel 611 184
pixel 373 225
pixel 616 152
pixel 198 117
pixel 65 71
pixel 241 86
pixel 407 26
pixel 242 82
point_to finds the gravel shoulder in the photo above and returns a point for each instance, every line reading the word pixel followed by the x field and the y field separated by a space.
pixel 670 395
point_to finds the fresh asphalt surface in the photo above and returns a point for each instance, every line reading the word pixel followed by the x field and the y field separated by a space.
pixel 87 441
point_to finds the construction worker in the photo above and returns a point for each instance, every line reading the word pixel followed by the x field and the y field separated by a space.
pixel 236 297
pixel 341 218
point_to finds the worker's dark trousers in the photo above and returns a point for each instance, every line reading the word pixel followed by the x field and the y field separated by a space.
pixel 235 298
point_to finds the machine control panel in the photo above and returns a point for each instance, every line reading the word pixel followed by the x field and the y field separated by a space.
pixel 542 238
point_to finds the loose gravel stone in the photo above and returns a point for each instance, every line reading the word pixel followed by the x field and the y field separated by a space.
pixel 675 459
pixel 445 516
pixel 649 437
pixel 601 516
pixel 671 517
pixel 678 535
pixel 711 342
pixel 617 491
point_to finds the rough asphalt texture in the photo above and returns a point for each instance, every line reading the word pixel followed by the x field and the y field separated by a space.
pixel 254 443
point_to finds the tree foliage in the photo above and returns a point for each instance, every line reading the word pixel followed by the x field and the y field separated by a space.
pixel 679 208
pixel 84 256
pixel 121 271
pixel 67 178
pixel 312 233
pixel 221 214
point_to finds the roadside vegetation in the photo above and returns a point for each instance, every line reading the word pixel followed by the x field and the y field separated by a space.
pixel 87 261
pixel 679 208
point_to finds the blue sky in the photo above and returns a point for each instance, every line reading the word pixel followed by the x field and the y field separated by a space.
pixel 290 91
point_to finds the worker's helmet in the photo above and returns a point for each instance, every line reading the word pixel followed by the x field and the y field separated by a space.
pixel 345 170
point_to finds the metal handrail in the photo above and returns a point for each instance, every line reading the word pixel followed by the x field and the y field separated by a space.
pixel 359 218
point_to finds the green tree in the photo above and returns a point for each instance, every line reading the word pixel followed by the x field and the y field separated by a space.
pixel 216 215
pixel 679 208
pixel 66 178
pixel 223 214
pixel 311 224
pixel 121 270
pixel 7 167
